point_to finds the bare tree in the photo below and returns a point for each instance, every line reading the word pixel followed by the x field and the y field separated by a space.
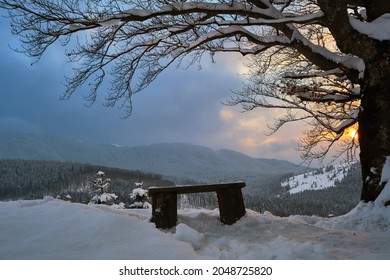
pixel 327 101
pixel 323 61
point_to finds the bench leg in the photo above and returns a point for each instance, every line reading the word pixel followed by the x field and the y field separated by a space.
pixel 164 210
pixel 231 205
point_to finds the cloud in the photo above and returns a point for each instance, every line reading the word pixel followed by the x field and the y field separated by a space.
pixel 180 106
pixel 12 124
pixel 248 132
pixel 226 114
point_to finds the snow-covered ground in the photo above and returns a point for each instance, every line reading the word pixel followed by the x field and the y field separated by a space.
pixel 55 229
pixel 316 180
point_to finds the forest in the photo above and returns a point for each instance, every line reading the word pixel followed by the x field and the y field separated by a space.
pixel 34 179
pixel 329 202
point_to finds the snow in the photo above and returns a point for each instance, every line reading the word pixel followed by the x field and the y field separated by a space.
pixel 110 22
pixel 139 192
pixel 349 61
pixel 141 197
pixel 316 180
pixel 377 29
pixel 56 229
pixel 384 196
pixel 105 197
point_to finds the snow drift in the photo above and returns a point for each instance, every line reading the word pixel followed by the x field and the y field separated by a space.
pixel 56 229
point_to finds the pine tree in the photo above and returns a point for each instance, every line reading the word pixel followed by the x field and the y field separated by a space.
pixel 102 185
pixel 140 196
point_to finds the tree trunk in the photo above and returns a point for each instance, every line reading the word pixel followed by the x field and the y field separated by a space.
pixel 374 125
pixel 376 8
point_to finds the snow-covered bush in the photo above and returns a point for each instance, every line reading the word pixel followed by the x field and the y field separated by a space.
pixel 102 186
pixel 141 198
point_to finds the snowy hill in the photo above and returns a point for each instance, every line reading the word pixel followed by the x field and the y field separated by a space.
pixel 175 160
pixel 323 178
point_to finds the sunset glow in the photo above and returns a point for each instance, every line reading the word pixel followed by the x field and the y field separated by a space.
pixel 352 133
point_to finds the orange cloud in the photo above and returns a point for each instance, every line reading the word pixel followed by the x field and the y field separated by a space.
pixel 226 114
pixel 247 132
pixel 249 142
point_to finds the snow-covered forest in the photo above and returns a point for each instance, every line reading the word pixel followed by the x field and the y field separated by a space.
pixel 34 179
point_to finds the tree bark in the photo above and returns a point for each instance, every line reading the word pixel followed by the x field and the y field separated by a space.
pixel 376 8
pixel 374 124
pixel 374 117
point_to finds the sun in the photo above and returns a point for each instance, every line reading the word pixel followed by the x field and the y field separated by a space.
pixel 352 133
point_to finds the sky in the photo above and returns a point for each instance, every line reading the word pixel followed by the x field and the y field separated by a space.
pixel 180 106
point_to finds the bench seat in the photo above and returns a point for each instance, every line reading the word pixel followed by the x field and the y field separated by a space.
pixel 164 202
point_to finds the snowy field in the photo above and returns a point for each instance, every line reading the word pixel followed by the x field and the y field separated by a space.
pixel 316 180
pixel 54 229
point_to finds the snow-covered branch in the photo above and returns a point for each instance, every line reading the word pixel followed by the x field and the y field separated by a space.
pixel 378 29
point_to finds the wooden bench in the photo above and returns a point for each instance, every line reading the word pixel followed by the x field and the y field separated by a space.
pixel 164 202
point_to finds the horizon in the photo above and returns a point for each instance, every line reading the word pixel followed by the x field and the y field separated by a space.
pixel 215 150
pixel 67 138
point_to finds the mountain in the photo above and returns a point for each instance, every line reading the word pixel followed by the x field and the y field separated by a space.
pixel 178 160
pixel 319 179
pixel 331 191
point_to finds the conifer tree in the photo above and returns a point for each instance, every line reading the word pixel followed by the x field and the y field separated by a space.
pixel 102 185
pixel 140 196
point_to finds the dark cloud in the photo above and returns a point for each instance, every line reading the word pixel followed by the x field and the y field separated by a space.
pixel 180 106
